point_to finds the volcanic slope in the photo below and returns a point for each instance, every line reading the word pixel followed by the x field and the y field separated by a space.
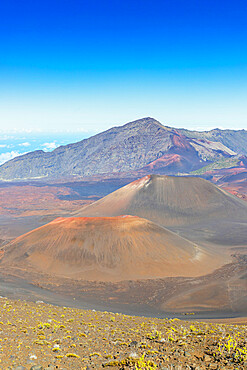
pixel 144 145
pixel 192 206
pixel 107 249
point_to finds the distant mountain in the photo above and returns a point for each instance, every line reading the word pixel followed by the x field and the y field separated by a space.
pixel 142 146
pixel 233 139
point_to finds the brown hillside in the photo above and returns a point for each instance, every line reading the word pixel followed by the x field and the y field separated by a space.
pixel 107 249
pixel 169 200
pixel 193 207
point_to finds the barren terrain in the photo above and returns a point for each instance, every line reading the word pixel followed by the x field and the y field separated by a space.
pixel 108 249
pixel 216 288
pixel 190 206
pixel 25 206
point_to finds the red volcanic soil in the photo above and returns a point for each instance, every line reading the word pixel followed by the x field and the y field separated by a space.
pixel 237 189
pixel 181 157
pixel 234 180
pixel 107 249
pixel 180 141
pixel 24 206
pixel 36 200
pixel 165 162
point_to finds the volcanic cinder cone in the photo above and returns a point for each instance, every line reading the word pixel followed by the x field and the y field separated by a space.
pixel 107 249
pixel 169 200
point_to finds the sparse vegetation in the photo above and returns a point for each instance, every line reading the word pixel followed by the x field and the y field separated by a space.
pixel 217 165
pixel 36 334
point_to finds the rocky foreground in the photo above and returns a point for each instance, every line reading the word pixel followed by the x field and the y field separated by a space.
pixel 39 336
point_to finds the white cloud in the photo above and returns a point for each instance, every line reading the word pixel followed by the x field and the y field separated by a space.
pixel 24 144
pixel 4 157
pixel 3 145
pixel 49 146
pixel 20 131
pixel 6 137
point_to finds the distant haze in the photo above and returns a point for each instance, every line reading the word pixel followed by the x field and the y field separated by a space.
pixel 15 143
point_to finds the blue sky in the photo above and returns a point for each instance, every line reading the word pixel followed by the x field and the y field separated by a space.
pixel 89 65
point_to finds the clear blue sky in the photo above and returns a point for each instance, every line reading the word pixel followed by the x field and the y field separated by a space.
pixel 88 65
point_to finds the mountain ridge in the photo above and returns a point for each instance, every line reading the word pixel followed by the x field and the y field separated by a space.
pixel 122 149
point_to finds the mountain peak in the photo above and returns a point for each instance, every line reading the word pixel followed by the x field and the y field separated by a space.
pixel 146 121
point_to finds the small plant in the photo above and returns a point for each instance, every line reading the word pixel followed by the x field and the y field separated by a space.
pixel 231 347
pixel 143 364
pixel 156 335
pixel 72 355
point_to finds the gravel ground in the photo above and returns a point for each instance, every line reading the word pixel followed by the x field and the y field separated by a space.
pixel 40 336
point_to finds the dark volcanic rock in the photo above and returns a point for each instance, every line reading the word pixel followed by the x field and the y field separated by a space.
pixel 143 144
